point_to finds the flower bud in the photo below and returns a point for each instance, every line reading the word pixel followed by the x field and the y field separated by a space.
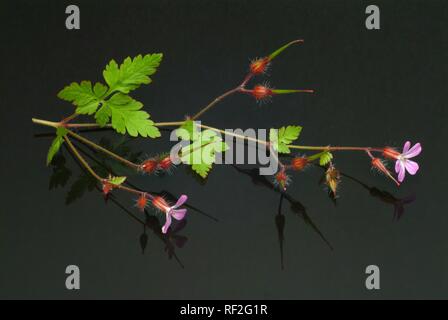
pixel 299 163
pixel 160 204
pixel 391 153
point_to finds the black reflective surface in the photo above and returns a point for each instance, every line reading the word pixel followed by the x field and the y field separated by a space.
pixel 241 238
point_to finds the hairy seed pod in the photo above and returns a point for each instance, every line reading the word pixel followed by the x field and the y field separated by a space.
pixel 260 92
pixel 259 66
pixel 299 163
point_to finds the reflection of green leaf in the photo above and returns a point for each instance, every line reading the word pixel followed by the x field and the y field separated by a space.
pixel 201 153
pixel 56 144
pixel 102 165
pixel 79 187
pixel 61 174
pixel 325 158
pixel 132 72
pixel 283 137
pixel 121 147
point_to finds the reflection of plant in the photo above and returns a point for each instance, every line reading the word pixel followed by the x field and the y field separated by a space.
pixel 111 106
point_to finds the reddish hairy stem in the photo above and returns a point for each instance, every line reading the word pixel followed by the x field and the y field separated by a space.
pixel 69 118
pixel 215 101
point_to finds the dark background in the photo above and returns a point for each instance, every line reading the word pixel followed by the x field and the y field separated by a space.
pixel 373 88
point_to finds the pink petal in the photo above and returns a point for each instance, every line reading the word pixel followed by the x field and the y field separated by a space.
pixel 178 214
pixel 414 151
pixel 401 172
pixel 182 199
pixel 406 146
pixel 397 166
pixel 167 223
pixel 411 166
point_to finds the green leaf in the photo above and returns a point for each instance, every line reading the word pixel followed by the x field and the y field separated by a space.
pixel 188 131
pixel 56 144
pixel 283 137
pixel 202 169
pixel 116 180
pixel 201 153
pixel 84 96
pixel 325 158
pixel 127 117
pixel 132 72
pixel 103 115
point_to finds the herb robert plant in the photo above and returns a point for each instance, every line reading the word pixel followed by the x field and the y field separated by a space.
pixel 111 105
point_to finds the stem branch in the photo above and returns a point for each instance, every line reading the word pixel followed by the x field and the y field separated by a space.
pixel 214 102
pixel 96 176
pixel 81 159
pixel 104 150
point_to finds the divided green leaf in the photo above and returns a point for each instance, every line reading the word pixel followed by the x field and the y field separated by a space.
pixel 121 110
pixel 116 181
pixel 56 144
pixel 132 72
pixel 126 116
pixel 84 96
pixel 283 137
pixel 188 131
pixel 201 153
pixel 325 158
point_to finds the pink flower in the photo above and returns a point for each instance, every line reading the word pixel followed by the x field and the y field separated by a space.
pixel 403 163
pixel 170 211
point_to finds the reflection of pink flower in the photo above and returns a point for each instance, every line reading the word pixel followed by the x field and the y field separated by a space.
pixel 170 211
pixel 403 163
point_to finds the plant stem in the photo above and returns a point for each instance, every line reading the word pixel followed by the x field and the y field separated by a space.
pixel 275 156
pixel 178 123
pixel 235 134
pixel 45 123
pixel 69 118
pixel 318 148
pixel 95 125
pixel 96 176
pixel 329 148
pixel 85 125
pixel 104 150
pixel 81 159
pixel 214 102
pixel 169 124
